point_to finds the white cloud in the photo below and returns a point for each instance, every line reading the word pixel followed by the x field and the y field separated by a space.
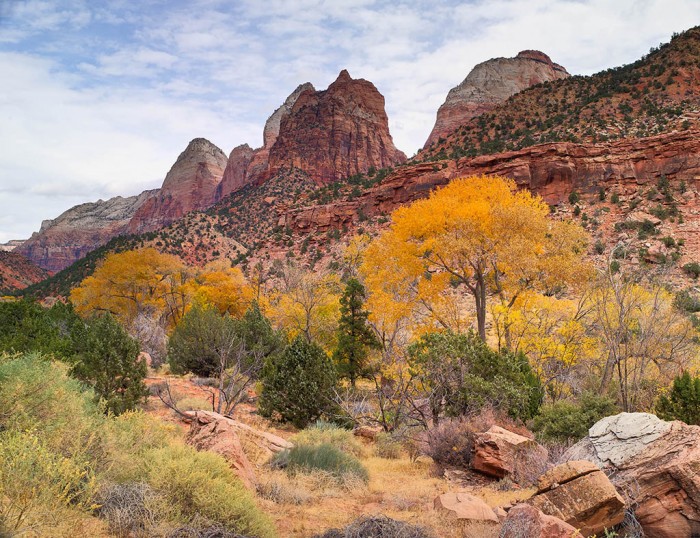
pixel 99 98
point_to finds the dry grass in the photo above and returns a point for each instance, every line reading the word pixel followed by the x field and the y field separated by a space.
pixel 308 504
pixel 304 505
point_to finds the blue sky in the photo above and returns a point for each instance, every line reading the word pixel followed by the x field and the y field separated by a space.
pixel 97 98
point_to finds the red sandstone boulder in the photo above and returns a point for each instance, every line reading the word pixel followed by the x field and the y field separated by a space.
pixel 580 494
pixel 499 453
pixel 655 464
pixel 214 433
pixel 465 507
pixel 525 521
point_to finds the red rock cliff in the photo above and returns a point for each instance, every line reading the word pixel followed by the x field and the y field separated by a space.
pixel 551 170
pixel 82 228
pixel 489 84
pixel 335 133
pixel 190 184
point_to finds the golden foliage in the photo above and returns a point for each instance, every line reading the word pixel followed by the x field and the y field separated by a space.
pixel 478 232
pixel 161 286
pixel 307 302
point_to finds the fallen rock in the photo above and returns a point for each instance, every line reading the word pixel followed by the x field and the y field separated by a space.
pixel 655 464
pixel 579 493
pixel 214 433
pixel 465 506
pixel 499 453
pixel 266 441
pixel 525 521
pixel 501 513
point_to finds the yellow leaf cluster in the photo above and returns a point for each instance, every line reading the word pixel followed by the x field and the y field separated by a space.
pixel 145 281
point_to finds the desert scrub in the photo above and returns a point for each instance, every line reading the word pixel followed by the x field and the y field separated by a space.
pixel 40 487
pixel 323 457
pixel 378 527
pixel 200 485
pixel 388 447
pixel 322 432
pixel 450 444
pixel 127 442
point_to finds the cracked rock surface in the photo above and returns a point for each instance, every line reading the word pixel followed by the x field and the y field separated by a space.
pixel 654 464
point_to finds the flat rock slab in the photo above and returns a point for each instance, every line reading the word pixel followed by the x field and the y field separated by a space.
pixel 589 502
pixel 465 507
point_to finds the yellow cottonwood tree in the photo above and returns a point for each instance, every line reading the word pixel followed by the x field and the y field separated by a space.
pixel 645 340
pixel 136 282
pixel 489 237
pixel 553 333
pixel 307 302
pixel 223 287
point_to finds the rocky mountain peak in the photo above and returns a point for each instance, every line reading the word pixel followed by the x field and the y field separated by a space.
pixel 191 183
pixel 272 125
pixel 336 133
pixel 540 56
pixel 491 83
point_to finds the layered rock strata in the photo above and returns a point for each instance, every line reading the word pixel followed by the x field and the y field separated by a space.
pixel 491 83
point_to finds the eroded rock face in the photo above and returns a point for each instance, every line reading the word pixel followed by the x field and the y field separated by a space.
pixel 579 493
pixel 464 506
pixel 499 453
pixel 335 133
pixel 525 521
pixel 81 229
pixel 190 184
pixel 258 168
pixel 236 171
pixel 17 272
pixel 656 464
pixel 214 433
pixel 489 84
pixel 551 170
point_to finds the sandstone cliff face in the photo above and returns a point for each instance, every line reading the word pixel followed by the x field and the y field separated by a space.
pixel 11 245
pixel 335 133
pixel 257 169
pixel 17 272
pixel 74 233
pixel 550 170
pixel 235 174
pixel 489 84
pixel 246 165
pixel 190 184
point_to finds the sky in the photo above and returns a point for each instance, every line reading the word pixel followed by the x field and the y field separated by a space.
pixel 98 98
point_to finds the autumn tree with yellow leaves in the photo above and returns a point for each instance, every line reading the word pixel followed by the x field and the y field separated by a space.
pixel 486 235
pixel 134 282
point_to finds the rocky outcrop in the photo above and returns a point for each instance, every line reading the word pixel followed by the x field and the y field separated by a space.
pixel 500 453
pixel 335 133
pixel 489 84
pixel 655 464
pixel 17 272
pixel 81 229
pixel 524 521
pixel 267 442
pixel 11 245
pixel 190 184
pixel 579 493
pixel 214 433
pixel 550 170
pixel 236 171
pixel 466 507
pixel 257 169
